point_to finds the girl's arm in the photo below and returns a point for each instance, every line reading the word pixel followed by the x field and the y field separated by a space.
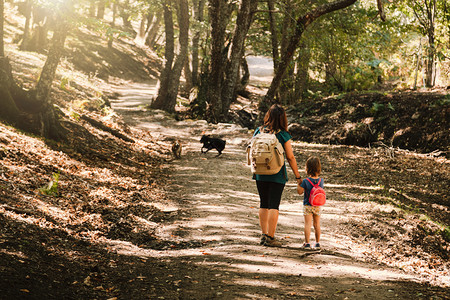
pixel 291 159
pixel 300 190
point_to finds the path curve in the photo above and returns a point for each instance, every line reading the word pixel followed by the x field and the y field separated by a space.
pixel 217 205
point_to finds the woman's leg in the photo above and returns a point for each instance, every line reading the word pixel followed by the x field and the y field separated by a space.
pixel 272 221
pixel 276 190
pixel 263 191
pixel 308 223
pixel 264 220
pixel 316 222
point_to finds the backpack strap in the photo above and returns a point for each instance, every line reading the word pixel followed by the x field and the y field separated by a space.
pixel 314 185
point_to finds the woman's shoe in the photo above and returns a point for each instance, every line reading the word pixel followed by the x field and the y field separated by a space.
pixel 317 246
pixel 271 242
pixel 263 238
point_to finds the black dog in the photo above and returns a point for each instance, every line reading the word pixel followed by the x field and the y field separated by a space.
pixel 212 143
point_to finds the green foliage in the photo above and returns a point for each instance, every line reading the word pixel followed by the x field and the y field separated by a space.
pixel 52 187
pixel 380 107
pixel 65 82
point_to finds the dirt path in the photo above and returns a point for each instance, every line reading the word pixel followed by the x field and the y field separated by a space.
pixel 213 249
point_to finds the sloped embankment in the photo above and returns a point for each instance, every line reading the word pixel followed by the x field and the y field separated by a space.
pixel 409 120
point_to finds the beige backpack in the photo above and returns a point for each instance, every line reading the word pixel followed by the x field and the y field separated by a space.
pixel 265 154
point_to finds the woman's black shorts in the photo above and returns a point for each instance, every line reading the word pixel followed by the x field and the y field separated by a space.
pixel 269 194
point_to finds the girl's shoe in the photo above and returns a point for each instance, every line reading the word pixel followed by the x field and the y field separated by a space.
pixel 317 246
pixel 263 239
pixel 271 242
pixel 306 246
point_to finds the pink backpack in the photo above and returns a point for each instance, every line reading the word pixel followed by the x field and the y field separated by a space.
pixel 317 195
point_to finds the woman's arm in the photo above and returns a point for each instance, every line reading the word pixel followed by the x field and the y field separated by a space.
pixel 291 159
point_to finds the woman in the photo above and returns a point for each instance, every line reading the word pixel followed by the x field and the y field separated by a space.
pixel 270 187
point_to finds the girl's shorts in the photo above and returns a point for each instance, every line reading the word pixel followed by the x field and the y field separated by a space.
pixel 309 209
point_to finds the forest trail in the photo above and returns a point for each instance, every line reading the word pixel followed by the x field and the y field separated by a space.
pixel 214 251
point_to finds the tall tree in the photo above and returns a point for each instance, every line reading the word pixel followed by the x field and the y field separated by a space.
pixel 198 14
pixel 170 76
pixel 33 110
pixel 224 69
pixel 2 46
pixel 425 12
pixel 301 24
pixel 219 14
pixel 243 22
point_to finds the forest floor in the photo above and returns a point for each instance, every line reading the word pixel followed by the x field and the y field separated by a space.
pixel 97 217
pixel 128 221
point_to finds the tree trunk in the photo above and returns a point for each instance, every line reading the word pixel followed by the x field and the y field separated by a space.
pixel 125 17
pixel 2 45
pixel 170 77
pixel 142 27
pixel 302 76
pixel 273 34
pixel 243 22
pixel 180 62
pixel 114 12
pixel 33 110
pixel 287 28
pixel 38 40
pixel 152 31
pixel 169 54
pixel 219 14
pixel 431 15
pixel 101 9
pixel 199 6
pixel 188 77
pixel 26 29
pixel 245 73
pixel 301 24
pixel 9 110
pixel 92 8
pixel 50 126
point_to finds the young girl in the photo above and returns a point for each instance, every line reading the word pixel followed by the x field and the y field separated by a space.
pixel 311 213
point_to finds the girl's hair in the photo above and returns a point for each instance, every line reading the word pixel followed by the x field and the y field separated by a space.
pixel 276 119
pixel 313 166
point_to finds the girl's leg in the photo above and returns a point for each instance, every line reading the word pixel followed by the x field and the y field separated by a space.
pixel 316 222
pixel 264 220
pixel 308 223
pixel 272 222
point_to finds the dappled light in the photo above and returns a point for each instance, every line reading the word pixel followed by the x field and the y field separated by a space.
pixel 107 110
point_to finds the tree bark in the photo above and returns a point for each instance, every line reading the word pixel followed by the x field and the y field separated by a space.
pixel 199 6
pixel 170 77
pixel 152 31
pixel 302 77
pixel 243 22
pixel 101 9
pixel 50 126
pixel 301 24
pixel 2 45
pixel 273 34
pixel 219 14
pixel 169 55
pixel 92 8
pixel 26 30
pixel 431 16
pixel 33 110
pixel 183 22
pixel 125 17
pixel 38 39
